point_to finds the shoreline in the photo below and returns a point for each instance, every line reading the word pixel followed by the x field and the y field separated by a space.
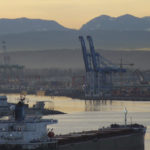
pixel 80 95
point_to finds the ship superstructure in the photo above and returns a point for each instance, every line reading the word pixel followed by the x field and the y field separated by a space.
pixel 25 131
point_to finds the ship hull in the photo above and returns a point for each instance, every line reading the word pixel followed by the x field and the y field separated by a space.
pixel 124 142
pixel 121 142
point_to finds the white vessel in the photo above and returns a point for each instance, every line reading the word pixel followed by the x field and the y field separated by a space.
pixel 4 105
pixel 3 101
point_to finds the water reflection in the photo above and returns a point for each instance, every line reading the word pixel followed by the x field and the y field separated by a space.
pixel 69 105
pixel 95 105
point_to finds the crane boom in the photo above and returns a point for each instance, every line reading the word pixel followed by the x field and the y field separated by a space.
pixel 140 76
pixel 93 54
pixel 86 56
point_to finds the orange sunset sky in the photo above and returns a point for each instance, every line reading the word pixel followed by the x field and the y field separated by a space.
pixel 72 13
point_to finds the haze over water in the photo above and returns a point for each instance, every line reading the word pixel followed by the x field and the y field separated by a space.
pixel 89 115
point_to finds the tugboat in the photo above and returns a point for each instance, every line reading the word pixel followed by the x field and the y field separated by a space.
pixel 25 132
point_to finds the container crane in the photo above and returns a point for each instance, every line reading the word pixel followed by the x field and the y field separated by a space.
pixel 103 70
pixel 103 65
pixel 98 71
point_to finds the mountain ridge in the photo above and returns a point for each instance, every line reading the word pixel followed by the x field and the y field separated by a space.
pixel 124 22
pixel 18 25
pixel 37 34
pixel 102 22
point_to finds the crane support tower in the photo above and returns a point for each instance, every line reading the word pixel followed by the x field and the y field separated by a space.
pixel 89 77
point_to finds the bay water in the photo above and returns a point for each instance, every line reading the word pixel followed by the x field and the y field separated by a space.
pixel 83 115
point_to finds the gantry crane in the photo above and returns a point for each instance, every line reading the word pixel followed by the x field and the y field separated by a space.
pixel 101 69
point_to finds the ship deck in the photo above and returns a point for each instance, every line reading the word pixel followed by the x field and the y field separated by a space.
pixel 100 134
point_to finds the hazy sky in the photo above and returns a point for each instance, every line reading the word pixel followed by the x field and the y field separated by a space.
pixel 72 13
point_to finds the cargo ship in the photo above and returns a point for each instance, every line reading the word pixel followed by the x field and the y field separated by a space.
pixel 21 132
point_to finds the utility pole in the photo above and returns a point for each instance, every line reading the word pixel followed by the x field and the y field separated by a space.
pixel 6 58
pixel 125 116
pixel 121 67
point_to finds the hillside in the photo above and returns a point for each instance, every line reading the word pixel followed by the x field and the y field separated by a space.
pixel 122 23
pixel 126 32
pixel 65 59
pixel 19 25
pixel 125 40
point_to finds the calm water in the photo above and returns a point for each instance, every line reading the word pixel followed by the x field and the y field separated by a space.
pixel 87 115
